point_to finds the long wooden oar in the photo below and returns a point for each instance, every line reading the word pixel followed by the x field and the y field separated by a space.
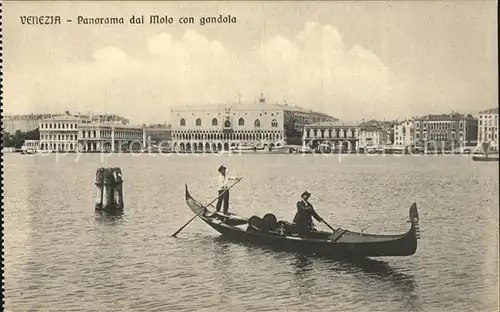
pixel 328 225
pixel 178 231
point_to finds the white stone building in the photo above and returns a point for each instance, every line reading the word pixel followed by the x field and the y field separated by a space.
pixel 99 137
pixel 404 134
pixel 332 136
pixel 220 127
pixel 69 133
pixel 488 128
pixel 59 133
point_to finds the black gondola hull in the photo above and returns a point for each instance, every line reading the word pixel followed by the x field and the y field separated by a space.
pixel 346 245
pixel 485 158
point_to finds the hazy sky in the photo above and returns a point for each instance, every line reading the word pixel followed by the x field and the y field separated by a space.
pixel 353 60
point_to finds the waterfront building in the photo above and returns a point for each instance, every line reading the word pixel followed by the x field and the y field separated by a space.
pixel 106 137
pixel 220 127
pixel 71 133
pixel 29 122
pixel 158 137
pixel 373 136
pixel 23 122
pixel 488 128
pixel 448 131
pixel 332 135
pixel 106 119
pixel 59 133
pixel 30 146
pixel 404 133
pixel 386 126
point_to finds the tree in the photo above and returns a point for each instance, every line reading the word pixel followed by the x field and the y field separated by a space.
pixel 17 139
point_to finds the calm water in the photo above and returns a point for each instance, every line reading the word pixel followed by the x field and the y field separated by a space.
pixel 61 255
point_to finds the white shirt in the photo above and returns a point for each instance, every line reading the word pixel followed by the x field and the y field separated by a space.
pixel 222 181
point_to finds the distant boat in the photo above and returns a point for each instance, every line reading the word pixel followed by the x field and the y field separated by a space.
pixel 485 158
pixel 28 150
pixel 260 149
pixel 486 151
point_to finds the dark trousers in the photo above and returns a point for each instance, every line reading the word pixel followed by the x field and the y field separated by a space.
pixel 224 198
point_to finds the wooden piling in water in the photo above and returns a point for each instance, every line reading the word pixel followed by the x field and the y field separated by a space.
pixel 118 189
pixel 99 183
pixel 109 195
pixel 107 199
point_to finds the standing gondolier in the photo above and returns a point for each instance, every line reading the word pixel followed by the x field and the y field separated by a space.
pixel 222 180
pixel 304 215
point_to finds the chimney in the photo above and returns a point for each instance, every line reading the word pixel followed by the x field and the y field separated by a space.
pixel 262 99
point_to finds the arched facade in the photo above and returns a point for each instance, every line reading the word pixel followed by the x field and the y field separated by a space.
pixel 107 138
pixel 59 134
pixel 329 136
pixel 215 129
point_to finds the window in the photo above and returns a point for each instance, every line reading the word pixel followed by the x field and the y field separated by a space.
pixel 241 122
pixel 214 122
pixel 198 122
pixel 256 123
pixel 183 122
pixel 274 123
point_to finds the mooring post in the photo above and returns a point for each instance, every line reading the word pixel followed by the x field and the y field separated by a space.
pixel 107 200
pixel 99 179
pixel 118 188
pixel 109 195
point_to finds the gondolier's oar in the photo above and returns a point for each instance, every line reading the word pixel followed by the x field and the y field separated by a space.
pixel 328 225
pixel 178 231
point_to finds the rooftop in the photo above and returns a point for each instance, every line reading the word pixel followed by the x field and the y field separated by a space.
pixel 374 124
pixel 62 117
pixel 261 104
pixel 450 116
pixel 489 111
pixel 111 125
pixel 244 106
pixel 329 124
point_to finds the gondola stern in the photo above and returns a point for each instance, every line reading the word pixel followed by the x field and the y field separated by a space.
pixel 414 219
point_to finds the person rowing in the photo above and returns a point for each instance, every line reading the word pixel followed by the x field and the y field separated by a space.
pixel 223 190
pixel 305 212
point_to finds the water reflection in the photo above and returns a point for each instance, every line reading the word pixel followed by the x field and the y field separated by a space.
pixel 381 272
pixel 222 269
pixel 309 272
pixel 303 275
pixel 110 218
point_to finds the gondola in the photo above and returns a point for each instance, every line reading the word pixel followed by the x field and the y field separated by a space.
pixel 485 158
pixel 486 153
pixel 340 243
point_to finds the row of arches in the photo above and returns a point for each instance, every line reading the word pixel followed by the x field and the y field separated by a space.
pixel 63 147
pixel 210 146
pixel 243 135
pixel 332 133
pixel 337 145
pixel 227 123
